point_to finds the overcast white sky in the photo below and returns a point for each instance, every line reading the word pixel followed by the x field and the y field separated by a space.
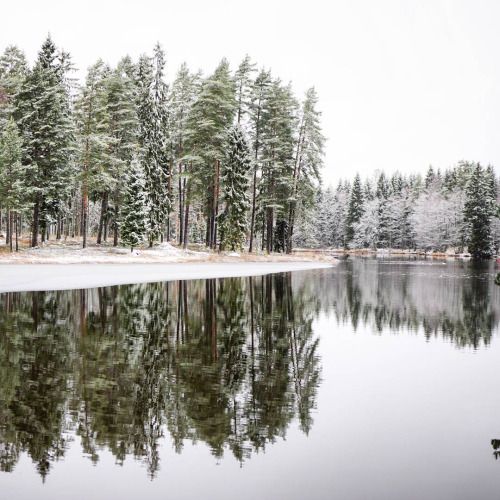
pixel 402 84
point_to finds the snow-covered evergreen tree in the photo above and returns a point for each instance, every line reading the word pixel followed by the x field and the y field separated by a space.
pixel 234 181
pixel 355 209
pixel 243 83
pixel 93 140
pixel 478 212
pixel 153 139
pixel 13 71
pixel 45 121
pixel 276 183
pixel 121 130
pixel 134 214
pixel 14 192
pixel 260 94
pixel 183 94
pixel 366 229
pixel 309 152
pixel 209 119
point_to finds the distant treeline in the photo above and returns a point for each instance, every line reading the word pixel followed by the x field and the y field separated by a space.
pixel 457 209
pixel 228 159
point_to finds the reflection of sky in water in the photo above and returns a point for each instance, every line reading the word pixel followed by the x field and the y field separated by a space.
pixel 355 415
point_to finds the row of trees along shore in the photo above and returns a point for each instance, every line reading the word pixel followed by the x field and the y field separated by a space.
pixel 457 209
pixel 229 160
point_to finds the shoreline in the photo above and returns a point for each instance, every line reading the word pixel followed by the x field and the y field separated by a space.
pixel 64 276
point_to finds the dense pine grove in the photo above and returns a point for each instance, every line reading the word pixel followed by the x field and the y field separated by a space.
pixel 227 159
pixel 231 160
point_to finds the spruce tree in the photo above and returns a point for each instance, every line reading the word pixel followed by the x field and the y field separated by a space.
pixel 355 208
pixel 234 180
pixel 134 214
pixel 384 218
pixel 153 139
pixel 13 190
pixel 478 211
pixel 13 71
pixel 44 118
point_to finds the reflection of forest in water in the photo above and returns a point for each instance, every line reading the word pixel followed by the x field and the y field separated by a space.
pixel 229 362
pixel 456 300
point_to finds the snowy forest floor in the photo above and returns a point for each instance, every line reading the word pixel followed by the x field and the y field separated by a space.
pixel 71 252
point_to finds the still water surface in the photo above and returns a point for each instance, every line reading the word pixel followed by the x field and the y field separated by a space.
pixel 377 379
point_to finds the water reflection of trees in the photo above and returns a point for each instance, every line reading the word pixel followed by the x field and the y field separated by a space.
pixel 228 362
pixel 456 300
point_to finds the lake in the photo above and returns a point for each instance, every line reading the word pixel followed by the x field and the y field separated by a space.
pixel 379 379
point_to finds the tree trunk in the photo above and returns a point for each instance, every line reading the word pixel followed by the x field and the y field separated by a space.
pixel 181 207
pixel 11 224
pixel 216 204
pixel 269 229
pixel 254 199
pixel 36 222
pixel 296 176
pixel 85 210
pixel 58 227
pixel 102 217
pixel 169 190
pixel 115 228
pixel 17 233
pixel 7 227
pixel 186 216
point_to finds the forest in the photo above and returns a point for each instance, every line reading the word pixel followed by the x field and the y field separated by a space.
pixel 231 161
pixel 456 211
pixel 227 159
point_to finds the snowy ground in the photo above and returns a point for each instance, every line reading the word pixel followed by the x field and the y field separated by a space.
pixel 20 277
pixel 72 253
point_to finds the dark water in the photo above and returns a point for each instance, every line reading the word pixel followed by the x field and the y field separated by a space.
pixel 378 379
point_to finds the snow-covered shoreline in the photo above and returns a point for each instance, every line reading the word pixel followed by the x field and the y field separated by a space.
pixel 36 277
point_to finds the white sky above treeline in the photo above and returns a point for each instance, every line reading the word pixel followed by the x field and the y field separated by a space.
pixel 402 83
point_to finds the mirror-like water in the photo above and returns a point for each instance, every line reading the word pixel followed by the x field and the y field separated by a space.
pixel 376 379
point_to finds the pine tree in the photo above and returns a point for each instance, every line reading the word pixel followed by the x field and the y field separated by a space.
pixel 134 215
pixel 44 118
pixel 276 184
pixel 243 82
pixel 209 119
pixel 308 160
pixel 13 191
pixel 93 141
pixel 355 209
pixel 260 94
pixel 234 181
pixel 478 213
pixel 121 132
pixel 181 99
